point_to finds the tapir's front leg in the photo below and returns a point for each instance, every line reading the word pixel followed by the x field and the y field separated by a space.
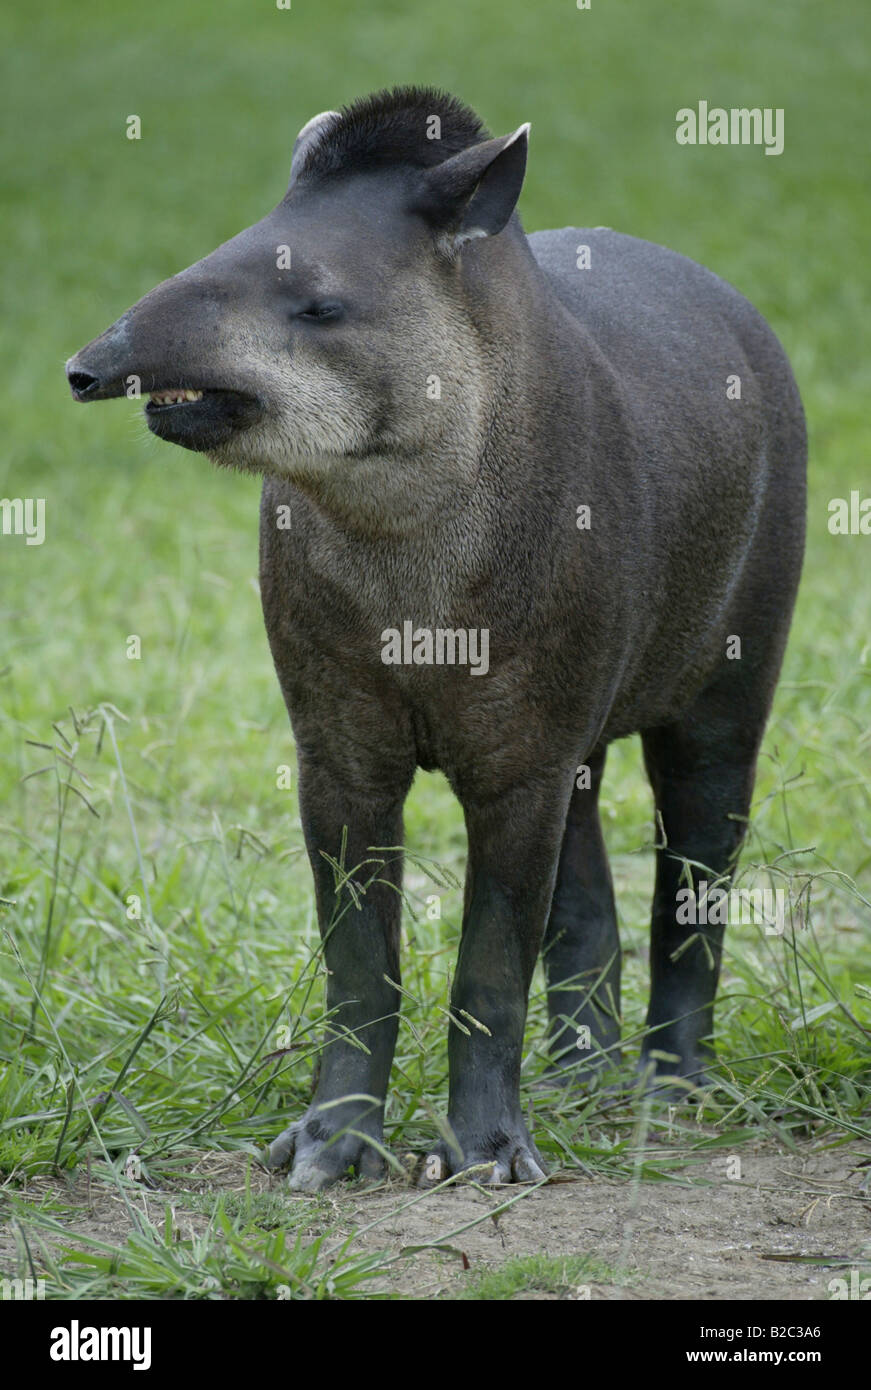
pixel 360 931
pixel 514 845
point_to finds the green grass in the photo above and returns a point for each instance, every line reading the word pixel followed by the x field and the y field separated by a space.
pixel 230 1256
pixel 194 1024
pixel 539 1274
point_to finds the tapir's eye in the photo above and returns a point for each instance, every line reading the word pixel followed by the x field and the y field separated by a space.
pixel 319 313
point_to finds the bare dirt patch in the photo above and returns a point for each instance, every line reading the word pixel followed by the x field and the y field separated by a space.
pixel 666 1240
pixel 708 1237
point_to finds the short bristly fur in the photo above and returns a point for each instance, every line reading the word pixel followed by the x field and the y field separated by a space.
pixel 390 128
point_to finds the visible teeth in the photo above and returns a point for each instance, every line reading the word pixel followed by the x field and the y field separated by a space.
pixel 174 397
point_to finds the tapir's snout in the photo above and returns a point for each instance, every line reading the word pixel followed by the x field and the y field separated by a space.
pixel 167 348
pixel 83 385
pixel 98 371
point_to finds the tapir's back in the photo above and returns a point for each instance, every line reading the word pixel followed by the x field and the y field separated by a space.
pixel 671 328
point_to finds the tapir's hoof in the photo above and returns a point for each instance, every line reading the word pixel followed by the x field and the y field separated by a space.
pixel 317 1160
pixel 496 1158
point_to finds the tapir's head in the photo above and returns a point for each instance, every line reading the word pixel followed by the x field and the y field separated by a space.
pixel 345 326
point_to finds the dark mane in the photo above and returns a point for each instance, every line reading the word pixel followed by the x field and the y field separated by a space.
pixel 390 127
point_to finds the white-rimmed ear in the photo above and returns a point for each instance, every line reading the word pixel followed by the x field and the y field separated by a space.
pixel 308 136
pixel 474 193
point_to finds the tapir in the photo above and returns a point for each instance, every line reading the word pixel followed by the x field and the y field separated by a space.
pixel 575 451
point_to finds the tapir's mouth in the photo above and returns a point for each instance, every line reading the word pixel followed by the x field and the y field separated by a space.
pixel 183 397
pixel 159 399
pixel 200 417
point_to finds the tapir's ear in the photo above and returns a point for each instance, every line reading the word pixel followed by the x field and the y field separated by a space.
pixel 308 136
pixel 475 192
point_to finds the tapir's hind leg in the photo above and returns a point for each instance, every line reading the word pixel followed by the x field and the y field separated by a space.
pixel 702 770
pixel 702 766
pixel 581 951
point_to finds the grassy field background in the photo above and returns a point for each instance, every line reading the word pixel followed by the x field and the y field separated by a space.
pixel 157 778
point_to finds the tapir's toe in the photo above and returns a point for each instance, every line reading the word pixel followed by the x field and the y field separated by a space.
pixel 308 1176
pixel 497 1158
pixel 525 1168
pixel 281 1149
pixel 317 1160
